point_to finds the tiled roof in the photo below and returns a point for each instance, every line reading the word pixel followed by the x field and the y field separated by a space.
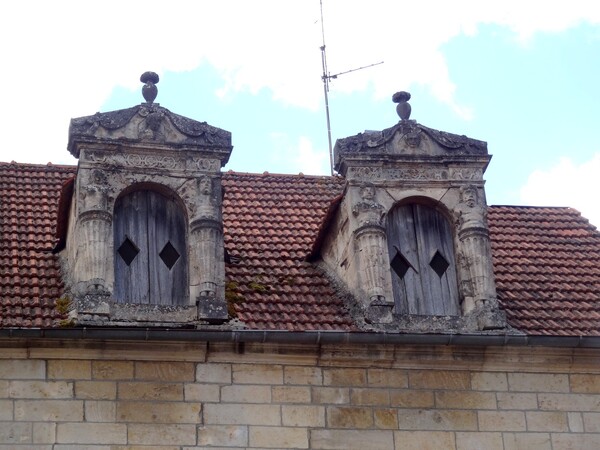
pixel 30 279
pixel 546 260
pixel 268 267
pixel 547 269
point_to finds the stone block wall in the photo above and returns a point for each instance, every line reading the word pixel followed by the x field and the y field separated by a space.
pixel 168 396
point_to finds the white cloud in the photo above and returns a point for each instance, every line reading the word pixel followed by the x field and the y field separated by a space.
pixel 300 155
pixel 61 59
pixel 310 160
pixel 567 183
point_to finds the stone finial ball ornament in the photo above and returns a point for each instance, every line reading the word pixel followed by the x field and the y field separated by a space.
pixel 149 90
pixel 403 109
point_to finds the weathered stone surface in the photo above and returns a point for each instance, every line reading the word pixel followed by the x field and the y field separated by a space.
pixel 501 420
pixel 516 400
pixel 351 439
pixel 291 394
pixel 241 414
pixel 44 433
pixel 489 381
pixel 425 440
pixel 331 395
pixel 223 435
pixel 69 370
pixel 40 389
pixel 171 371
pixel 538 382
pixel 585 383
pixel 386 418
pixel 367 396
pixel 161 434
pixel 349 417
pixel 246 394
pixel 303 416
pixel 100 411
pixel 49 410
pixel 6 410
pixel 15 433
pixel 202 392
pixel 96 390
pixel 477 441
pixel 22 369
pixel 150 391
pixel 112 370
pixel 532 441
pixel 158 412
pixel 257 374
pixel 213 373
pixel 412 399
pixel 278 437
pixel 439 379
pixel 345 377
pixel 465 400
pixel 547 421
pixel 421 419
pixel 303 375
pixel 394 378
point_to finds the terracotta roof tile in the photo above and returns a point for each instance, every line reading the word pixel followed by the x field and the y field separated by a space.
pixel 278 289
pixel 547 268
pixel 29 273
pixel 546 260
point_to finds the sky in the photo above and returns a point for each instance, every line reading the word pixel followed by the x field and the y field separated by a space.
pixel 521 75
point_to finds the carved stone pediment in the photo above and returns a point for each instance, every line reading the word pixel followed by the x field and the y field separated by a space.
pixel 406 138
pixel 146 123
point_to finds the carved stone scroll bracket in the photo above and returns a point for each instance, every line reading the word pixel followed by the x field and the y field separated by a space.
pixel 379 311
pixel 486 318
pixel 212 309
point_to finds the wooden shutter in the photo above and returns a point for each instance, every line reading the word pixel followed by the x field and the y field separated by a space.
pixel 421 252
pixel 150 250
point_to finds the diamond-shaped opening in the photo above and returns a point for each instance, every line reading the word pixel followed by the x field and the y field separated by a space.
pixel 128 251
pixel 400 265
pixel 169 255
pixel 439 264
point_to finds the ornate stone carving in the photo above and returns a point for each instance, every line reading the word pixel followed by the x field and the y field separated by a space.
pixel 211 165
pixel 146 122
pixel 152 161
pixel 368 211
pixel 463 173
pixel 373 142
pixel 409 174
pixel 94 194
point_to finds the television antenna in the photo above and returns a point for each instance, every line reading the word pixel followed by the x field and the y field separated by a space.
pixel 327 77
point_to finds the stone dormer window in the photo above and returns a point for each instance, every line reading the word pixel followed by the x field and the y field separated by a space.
pixel 145 239
pixel 409 239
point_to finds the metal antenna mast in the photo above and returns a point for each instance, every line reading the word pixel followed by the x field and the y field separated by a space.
pixel 327 77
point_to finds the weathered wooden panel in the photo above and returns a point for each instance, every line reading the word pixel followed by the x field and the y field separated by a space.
pixel 419 232
pixel 408 292
pixel 150 220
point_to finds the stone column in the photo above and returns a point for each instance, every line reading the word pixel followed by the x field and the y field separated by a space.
pixel 479 290
pixel 207 266
pixel 371 245
pixel 93 270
